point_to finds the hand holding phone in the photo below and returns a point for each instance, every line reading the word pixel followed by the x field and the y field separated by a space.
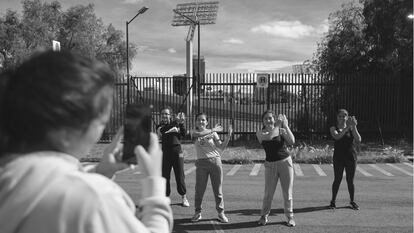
pixel 137 130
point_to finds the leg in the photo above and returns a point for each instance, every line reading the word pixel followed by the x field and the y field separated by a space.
pixel 285 169
pixel 201 184
pixel 350 174
pixel 270 187
pixel 166 172
pixel 338 173
pixel 216 176
pixel 178 166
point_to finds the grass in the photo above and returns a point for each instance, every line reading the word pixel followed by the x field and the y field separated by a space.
pixel 318 153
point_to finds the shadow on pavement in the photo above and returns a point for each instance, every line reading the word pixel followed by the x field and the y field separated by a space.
pixel 185 225
pixel 251 212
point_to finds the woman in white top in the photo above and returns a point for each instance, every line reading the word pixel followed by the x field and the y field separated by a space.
pixel 209 147
pixel 53 109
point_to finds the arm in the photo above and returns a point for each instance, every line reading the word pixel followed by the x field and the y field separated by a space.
pixel 287 135
pixel 197 134
pixel 182 129
pixel 338 135
pixel 286 132
pixel 354 130
pixel 223 145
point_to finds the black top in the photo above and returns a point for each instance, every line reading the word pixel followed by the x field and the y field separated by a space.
pixel 344 148
pixel 171 140
pixel 275 149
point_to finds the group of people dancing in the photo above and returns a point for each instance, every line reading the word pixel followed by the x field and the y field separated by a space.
pixel 53 110
pixel 273 136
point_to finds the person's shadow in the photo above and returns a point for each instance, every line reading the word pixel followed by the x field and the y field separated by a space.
pixel 185 225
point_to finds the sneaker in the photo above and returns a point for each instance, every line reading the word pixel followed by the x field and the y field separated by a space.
pixel 354 205
pixel 222 218
pixel 185 202
pixel 262 221
pixel 197 217
pixel 291 222
pixel 332 205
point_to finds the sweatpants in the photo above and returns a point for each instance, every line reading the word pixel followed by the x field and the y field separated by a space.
pixel 174 160
pixel 283 170
pixel 204 168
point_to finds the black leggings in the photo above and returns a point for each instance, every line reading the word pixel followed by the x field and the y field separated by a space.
pixel 339 166
pixel 171 159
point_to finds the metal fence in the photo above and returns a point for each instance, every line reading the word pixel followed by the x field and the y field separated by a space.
pixel 381 103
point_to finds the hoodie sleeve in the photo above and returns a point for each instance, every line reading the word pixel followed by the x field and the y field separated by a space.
pixel 112 214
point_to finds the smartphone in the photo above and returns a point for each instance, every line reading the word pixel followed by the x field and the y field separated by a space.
pixel 137 128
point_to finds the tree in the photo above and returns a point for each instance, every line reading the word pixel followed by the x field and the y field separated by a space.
pixel 78 29
pixel 370 36
pixel 343 49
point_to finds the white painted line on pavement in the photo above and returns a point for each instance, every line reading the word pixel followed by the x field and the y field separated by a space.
pixel 381 170
pixel 216 227
pixel 136 173
pixel 255 170
pixel 297 169
pixel 365 173
pixel 399 169
pixel 234 170
pixel 319 170
pixel 408 164
pixel 191 169
pixel 89 167
pixel 343 174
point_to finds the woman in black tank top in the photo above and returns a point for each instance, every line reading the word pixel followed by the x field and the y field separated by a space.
pixel 345 133
pixel 278 164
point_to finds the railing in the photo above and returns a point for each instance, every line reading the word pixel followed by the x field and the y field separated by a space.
pixel 309 101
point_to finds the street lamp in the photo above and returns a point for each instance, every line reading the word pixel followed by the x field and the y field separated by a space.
pixel 141 11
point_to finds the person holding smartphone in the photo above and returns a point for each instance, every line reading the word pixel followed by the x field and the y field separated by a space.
pixel 53 109
pixel 170 130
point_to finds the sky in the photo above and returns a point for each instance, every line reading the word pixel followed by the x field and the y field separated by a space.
pixel 248 36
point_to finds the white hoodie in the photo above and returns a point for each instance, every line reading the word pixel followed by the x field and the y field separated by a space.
pixel 48 192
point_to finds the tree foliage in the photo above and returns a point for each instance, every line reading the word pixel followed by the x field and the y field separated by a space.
pixel 372 35
pixel 77 29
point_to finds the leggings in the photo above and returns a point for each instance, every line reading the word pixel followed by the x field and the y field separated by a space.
pixel 339 166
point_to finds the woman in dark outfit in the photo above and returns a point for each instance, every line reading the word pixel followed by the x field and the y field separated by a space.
pixel 170 131
pixel 345 134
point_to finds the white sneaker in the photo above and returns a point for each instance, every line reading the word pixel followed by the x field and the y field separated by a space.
pixel 197 217
pixel 185 202
pixel 291 222
pixel 263 220
pixel 222 218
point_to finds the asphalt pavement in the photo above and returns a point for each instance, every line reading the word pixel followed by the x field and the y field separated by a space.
pixel 383 191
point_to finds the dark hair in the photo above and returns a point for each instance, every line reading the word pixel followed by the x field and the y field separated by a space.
pixel 51 90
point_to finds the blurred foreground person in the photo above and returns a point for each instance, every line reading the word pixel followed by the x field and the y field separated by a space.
pixel 53 109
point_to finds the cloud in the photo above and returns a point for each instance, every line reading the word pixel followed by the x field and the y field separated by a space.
pixel 265 65
pixel 132 1
pixel 233 41
pixel 172 50
pixel 289 29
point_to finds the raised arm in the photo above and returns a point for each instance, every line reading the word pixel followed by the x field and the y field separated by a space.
pixel 354 130
pixel 286 132
pixel 223 144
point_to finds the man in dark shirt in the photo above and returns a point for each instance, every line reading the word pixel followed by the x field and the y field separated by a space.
pixel 170 131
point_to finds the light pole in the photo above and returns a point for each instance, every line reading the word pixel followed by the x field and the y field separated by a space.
pixel 141 11
pixel 197 22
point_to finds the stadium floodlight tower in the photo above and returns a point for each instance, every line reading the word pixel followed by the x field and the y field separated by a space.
pixel 194 14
